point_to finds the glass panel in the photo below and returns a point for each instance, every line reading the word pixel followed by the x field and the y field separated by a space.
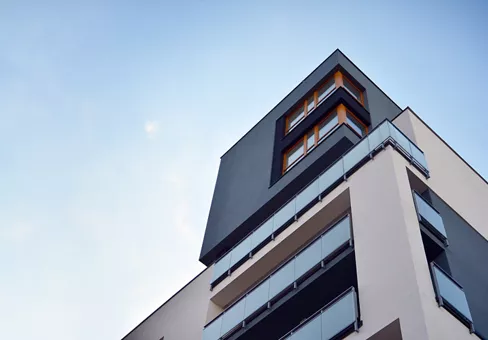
pixel 281 279
pixel 430 215
pixel 356 154
pixel 295 153
pixel 400 138
pixel 452 293
pixel 233 316
pixel 355 125
pixel 212 331
pixel 283 215
pixel 339 316
pixel 311 140
pixel 241 250
pixel 308 258
pixel 257 298
pixel 378 136
pixel 335 237
pixel 328 125
pixel 418 156
pixel 326 89
pixel 334 173
pixel 221 266
pixel 307 195
pixel 261 233
pixel 310 104
pixel 310 331
pixel 352 89
pixel 295 117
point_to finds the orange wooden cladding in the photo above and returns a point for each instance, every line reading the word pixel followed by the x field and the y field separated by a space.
pixel 338 80
pixel 342 112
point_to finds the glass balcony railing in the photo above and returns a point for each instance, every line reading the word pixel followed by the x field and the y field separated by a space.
pixel 286 276
pixel 384 134
pixel 430 217
pixel 335 318
pixel 450 295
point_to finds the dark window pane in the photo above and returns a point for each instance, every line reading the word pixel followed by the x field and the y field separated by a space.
pixel 310 104
pixel 295 117
pixel 294 154
pixel 352 89
pixel 326 89
pixel 355 125
pixel 328 125
pixel 310 140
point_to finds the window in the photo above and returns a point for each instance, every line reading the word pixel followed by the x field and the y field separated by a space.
pixel 353 90
pixel 313 100
pixel 327 125
pixel 320 132
pixel 355 124
pixel 326 89
pixel 294 154
pixel 295 118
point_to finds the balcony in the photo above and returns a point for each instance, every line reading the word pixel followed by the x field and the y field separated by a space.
pixel 383 135
pixel 336 319
pixel 450 295
pixel 430 217
pixel 301 276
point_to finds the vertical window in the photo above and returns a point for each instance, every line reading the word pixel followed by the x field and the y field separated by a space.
pixel 294 154
pixel 353 90
pixel 295 118
pixel 326 90
pixel 310 140
pixel 355 124
pixel 310 104
pixel 327 125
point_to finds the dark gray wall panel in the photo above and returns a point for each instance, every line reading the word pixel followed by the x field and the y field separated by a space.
pixel 243 196
pixel 467 256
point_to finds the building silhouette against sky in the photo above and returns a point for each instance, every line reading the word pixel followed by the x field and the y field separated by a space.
pixel 339 215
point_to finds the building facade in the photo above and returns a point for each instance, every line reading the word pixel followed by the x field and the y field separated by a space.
pixel 338 216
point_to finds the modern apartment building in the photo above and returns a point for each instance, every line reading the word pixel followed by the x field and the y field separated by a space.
pixel 339 215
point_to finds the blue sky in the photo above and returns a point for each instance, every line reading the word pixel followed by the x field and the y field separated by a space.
pixel 114 115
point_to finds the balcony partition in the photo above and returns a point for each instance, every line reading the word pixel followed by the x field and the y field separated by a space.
pixel 312 257
pixel 384 134
pixel 450 295
pixel 336 318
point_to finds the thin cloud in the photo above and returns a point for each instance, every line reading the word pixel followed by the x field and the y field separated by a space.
pixel 151 128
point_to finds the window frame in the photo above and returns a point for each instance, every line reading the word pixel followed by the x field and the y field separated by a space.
pixel 341 112
pixel 304 105
pixel 339 80
pixel 344 78
pixel 364 126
